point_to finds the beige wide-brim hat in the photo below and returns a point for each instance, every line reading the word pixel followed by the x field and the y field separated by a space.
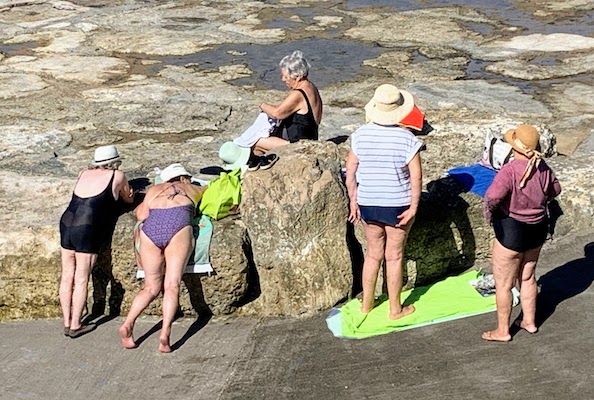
pixel 389 105
pixel 173 171
pixel 105 154
pixel 233 155
pixel 524 139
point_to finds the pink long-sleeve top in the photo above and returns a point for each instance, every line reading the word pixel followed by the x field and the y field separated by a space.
pixel 527 204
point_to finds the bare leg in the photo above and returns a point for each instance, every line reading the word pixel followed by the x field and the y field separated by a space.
pixel 84 265
pixel 264 145
pixel 506 264
pixel 67 285
pixel 152 260
pixel 529 290
pixel 177 254
pixel 376 243
pixel 396 240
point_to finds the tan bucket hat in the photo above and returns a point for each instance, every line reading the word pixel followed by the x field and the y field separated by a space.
pixel 389 105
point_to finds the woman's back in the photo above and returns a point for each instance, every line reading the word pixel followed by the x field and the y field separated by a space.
pixel 171 194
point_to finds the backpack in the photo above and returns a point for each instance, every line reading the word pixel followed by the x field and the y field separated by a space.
pixel 222 194
pixel 496 151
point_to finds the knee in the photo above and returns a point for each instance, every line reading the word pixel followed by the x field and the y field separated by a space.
pixel 81 280
pixel 67 278
pixel 375 256
pixel 172 287
pixel 153 290
pixel 394 255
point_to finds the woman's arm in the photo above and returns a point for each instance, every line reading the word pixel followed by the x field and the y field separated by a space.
pixel 497 192
pixel 125 191
pixel 291 104
pixel 416 182
pixel 554 187
pixel 142 211
pixel 352 163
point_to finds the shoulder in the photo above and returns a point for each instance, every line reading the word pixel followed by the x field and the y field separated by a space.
pixel 119 178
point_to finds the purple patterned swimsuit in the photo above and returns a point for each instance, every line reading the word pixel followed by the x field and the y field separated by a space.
pixel 162 224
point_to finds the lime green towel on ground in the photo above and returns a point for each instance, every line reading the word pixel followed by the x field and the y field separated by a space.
pixel 449 299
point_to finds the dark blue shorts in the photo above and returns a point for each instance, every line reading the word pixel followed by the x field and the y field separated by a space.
pixel 519 236
pixel 382 215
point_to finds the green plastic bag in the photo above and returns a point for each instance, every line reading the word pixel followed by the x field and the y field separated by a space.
pixel 222 195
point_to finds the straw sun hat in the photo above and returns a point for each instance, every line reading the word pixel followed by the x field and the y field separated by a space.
pixel 389 105
pixel 524 139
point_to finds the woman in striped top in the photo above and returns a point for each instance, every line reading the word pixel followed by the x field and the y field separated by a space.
pixel 383 179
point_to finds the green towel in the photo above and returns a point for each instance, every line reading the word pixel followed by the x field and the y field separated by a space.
pixel 447 300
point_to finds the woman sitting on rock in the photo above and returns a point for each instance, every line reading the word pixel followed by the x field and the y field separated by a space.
pixel 515 204
pixel 85 226
pixel 383 178
pixel 300 111
pixel 166 243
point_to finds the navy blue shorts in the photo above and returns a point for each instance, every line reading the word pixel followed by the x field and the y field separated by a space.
pixel 382 215
pixel 519 236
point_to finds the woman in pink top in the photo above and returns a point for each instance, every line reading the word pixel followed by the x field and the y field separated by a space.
pixel 515 204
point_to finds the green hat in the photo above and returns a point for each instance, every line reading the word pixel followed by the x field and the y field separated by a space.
pixel 234 156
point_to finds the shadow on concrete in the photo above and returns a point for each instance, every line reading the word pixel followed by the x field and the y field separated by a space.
pixel 148 333
pixel 192 330
pixel 563 283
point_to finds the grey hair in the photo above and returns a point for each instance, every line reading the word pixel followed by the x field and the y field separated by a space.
pixel 295 65
pixel 112 165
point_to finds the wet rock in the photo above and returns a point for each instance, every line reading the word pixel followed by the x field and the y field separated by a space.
pixel 436 26
pixel 554 42
pixel 84 69
pixel 573 104
pixel 20 85
pixel 526 70
pixel 295 214
pixel 480 96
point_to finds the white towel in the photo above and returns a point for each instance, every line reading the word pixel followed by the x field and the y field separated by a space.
pixel 262 127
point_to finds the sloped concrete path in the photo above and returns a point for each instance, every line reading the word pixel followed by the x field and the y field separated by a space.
pixel 299 359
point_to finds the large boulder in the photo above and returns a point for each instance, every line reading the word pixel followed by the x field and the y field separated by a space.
pixel 296 214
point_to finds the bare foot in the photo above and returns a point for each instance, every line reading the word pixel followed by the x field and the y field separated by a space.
pixel 493 336
pixel 530 328
pixel 164 344
pixel 127 339
pixel 406 310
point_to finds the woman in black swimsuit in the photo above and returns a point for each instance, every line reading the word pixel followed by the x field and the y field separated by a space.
pixel 84 227
pixel 300 111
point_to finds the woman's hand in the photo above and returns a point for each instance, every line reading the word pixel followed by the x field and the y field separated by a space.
pixel 406 217
pixel 355 215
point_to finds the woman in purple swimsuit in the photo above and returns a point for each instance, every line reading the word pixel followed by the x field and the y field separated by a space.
pixel 166 243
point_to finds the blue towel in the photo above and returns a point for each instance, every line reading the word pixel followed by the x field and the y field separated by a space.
pixel 476 178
